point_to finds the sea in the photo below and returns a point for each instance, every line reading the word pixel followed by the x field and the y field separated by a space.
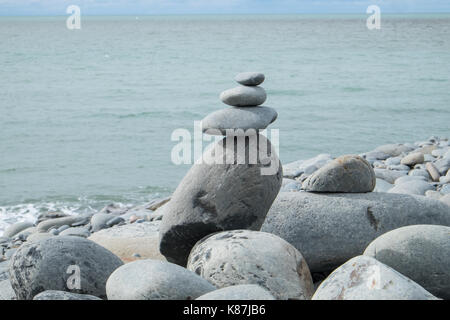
pixel 87 115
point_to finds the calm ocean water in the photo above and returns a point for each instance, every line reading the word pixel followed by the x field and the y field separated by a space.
pixel 87 115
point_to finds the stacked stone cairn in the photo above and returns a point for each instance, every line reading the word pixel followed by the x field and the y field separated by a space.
pixel 224 191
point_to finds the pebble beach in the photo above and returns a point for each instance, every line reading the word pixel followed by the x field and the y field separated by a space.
pixel 369 226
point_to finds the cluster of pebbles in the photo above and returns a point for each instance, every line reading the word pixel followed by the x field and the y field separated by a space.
pixel 420 168
pixel 354 227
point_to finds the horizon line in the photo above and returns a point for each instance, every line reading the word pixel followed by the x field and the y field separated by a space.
pixel 216 14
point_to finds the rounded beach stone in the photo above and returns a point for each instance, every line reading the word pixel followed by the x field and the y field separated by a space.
pixel 215 197
pixel 52 263
pixel 329 229
pixel 99 221
pixel 250 257
pixel 250 78
pixel 419 172
pixel 445 199
pixel 239 292
pixel 127 240
pixel 250 118
pixel 16 228
pixel 364 278
pixel 76 231
pixel 244 96
pixel 389 175
pixel 35 237
pixel 394 150
pixel 155 280
pixel 417 187
pixel 419 252
pixel 46 225
pixel 63 295
pixel 413 159
pixel 382 186
pixel 347 173
pixel 434 173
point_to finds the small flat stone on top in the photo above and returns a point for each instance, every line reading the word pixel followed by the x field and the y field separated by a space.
pixel 250 78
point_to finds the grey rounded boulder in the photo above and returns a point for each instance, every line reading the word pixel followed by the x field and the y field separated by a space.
pixel 239 292
pixel 155 280
pixel 347 173
pixel 364 278
pixel 233 119
pixel 328 229
pixel 250 257
pixel 244 96
pixel 215 197
pixel 61 263
pixel 63 295
pixel 419 252
pixel 413 159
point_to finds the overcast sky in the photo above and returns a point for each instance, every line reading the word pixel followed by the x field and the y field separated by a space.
pixel 142 7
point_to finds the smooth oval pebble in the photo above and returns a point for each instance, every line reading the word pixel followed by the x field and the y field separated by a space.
pixel 155 280
pixel 257 118
pixel 348 173
pixel 243 96
pixel 250 78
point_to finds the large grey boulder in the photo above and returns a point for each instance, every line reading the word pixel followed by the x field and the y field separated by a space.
pixel 131 241
pixel 253 118
pixel 250 257
pixel 329 229
pixel 239 292
pixel 347 173
pixel 216 197
pixel 14 229
pixel 63 295
pixel 419 252
pixel 250 78
pixel 364 278
pixel 58 263
pixel 244 96
pixel 155 280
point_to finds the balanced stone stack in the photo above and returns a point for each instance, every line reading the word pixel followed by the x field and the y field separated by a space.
pixel 246 113
pixel 220 194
